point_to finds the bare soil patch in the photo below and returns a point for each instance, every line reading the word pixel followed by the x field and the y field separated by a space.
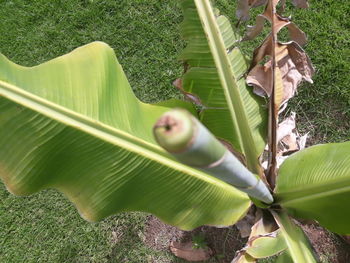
pixel 223 241
pixel 329 247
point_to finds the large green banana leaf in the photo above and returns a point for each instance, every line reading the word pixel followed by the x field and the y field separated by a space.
pixel 74 124
pixel 232 112
pixel 315 184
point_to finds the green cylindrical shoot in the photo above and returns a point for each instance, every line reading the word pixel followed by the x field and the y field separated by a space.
pixel 182 135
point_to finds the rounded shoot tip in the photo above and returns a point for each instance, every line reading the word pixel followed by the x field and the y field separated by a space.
pixel 174 130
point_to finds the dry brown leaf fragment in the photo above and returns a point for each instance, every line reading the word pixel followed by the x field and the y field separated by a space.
pixel 254 31
pixel 256 3
pixel 260 78
pixel 295 33
pixel 242 11
pixel 293 64
pixel 188 252
pixel 243 7
pixel 301 61
pixel 301 3
pixel 289 140
pixel 245 224
pixel 264 227
pixel 286 127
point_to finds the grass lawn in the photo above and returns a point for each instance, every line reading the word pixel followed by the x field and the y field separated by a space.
pixel 45 227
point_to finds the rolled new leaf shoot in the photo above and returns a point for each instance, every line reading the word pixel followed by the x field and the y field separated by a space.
pixel 183 136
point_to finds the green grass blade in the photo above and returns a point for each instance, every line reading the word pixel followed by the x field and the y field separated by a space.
pixel 315 184
pixel 74 124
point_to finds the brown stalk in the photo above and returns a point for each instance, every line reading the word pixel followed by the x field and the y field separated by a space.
pixel 273 108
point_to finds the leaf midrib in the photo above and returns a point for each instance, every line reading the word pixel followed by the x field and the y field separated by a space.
pixel 317 191
pixel 100 130
pixel 233 98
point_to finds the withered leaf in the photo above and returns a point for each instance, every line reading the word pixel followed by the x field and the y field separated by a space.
pixel 243 7
pixel 188 252
pixel 245 224
pixel 260 78
pixel 286 127
pixel 301 3
pixel 279 77
pixel 289 138
pixel 293 64
pixel 264 227
pixel 301 61
pixel 296 34
pixel 280 22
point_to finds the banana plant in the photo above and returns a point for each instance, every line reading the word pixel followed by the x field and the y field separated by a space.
pixel 74 124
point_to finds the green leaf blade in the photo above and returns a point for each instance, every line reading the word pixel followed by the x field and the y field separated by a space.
pixel 218 81
pixel 74 124
pixel 315 184
pixel 298 245
pixel 267 246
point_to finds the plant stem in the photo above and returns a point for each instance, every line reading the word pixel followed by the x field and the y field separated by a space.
pixel 273 108
pixel 187 139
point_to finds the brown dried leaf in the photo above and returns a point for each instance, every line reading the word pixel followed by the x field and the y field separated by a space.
pixel 301 61
pixel 301 3
pixel 260 78
pixel 242 11
pixel 279 77
pixel 262 228
pixel 286 127
pixel 188 252
pixel 289 140
pixel 293 63
pixel 295 33
pixel 243 7
pixel 254 31
pixel 245 224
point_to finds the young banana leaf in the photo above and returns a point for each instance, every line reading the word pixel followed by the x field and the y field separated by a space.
pixel 297 244
pixel 315 184
pixel 215 74
pixel 74 124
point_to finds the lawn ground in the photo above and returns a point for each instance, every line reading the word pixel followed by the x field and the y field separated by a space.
pixel 45 227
